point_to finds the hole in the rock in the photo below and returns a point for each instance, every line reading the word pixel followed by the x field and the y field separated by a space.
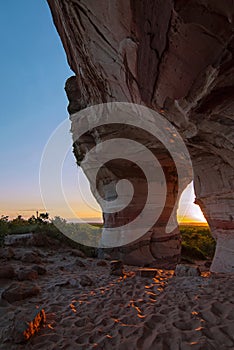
pixel 197 241
pixel 189 212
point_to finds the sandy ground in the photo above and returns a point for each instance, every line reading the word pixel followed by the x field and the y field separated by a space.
pixel 162 313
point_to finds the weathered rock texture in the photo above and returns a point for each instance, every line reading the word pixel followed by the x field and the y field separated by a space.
pixel 175 57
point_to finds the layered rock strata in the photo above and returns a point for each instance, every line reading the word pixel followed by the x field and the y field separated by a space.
pixel 175 57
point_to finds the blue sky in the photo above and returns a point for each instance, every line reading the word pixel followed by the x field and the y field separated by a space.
pixel 33 72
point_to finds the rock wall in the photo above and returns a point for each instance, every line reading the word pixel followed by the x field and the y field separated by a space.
pixel 175 57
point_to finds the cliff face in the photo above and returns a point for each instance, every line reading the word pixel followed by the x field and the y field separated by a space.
pixel 175 57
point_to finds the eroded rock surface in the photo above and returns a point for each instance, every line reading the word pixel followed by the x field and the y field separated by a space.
pixel 175 57
pixel 20 291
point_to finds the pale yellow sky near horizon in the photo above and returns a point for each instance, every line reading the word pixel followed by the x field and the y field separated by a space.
pixel 86 208
pixel 75 200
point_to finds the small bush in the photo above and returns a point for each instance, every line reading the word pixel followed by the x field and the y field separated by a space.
pixel 197 242
pixel 188 251
pixel 51 231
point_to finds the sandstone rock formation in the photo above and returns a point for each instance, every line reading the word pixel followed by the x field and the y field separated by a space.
pixel 20 291
pixel 175 57
pixel 27 323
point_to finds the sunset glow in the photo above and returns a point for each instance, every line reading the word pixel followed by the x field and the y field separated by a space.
pixel 84 206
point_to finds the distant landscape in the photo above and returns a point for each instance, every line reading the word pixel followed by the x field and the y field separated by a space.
pixel 197 241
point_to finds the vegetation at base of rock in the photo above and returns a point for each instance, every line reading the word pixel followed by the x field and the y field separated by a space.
pixel 52 229
pixel 197 243
pixel 19 225
pixel 189 252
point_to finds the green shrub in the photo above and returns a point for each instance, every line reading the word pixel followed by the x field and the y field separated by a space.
pixel 50 230
pixel 21 229
pixel 197 242
pixel 188 251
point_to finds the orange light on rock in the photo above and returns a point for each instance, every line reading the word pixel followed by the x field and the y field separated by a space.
pixel 73 308
pixel 34 325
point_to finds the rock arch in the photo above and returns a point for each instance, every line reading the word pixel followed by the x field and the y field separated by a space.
pixel 175 57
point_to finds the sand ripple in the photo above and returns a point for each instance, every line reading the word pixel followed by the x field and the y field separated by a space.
pixel 165 313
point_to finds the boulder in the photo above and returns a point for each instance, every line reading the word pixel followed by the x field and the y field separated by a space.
pixel 187 271
pixel 7 271
pixel 27 274
pixel 19 291
pixel 27 323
